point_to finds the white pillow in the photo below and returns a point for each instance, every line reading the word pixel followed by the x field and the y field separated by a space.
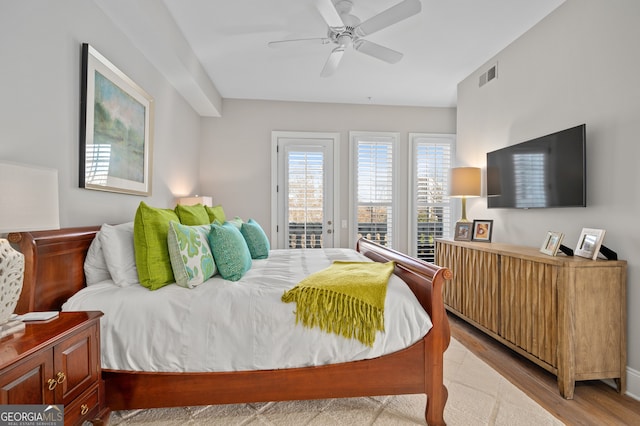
pixel 119 254
pixel 95 265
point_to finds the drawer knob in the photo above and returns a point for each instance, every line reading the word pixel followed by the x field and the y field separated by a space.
pixel 61 377
pixel 84 409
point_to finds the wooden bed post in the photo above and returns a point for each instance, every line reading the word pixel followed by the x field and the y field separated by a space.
pixel 439 338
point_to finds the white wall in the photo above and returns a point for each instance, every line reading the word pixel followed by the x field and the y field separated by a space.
pixel 236 153
pixel 39 106
pixel 579 65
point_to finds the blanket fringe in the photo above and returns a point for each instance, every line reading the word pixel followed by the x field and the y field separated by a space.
pixel 336 313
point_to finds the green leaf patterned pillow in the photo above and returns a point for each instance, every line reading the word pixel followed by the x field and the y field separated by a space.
pixel 191 258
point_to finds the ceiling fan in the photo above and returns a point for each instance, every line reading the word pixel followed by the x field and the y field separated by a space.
pixel 347 30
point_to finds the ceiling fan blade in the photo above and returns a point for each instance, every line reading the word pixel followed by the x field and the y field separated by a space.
pixel 299 41
pixel 329 13
pixel 380 52
pixel 332 63
pixel 394 14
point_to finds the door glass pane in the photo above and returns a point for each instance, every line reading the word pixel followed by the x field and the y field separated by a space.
pixel 305 182
pixel 432 165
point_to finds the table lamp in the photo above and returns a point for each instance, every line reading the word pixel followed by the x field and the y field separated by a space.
pixel 196 199
pixel 28 202
pixel 465 182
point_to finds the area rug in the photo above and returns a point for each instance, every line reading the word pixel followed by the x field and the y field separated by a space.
pixel 478 395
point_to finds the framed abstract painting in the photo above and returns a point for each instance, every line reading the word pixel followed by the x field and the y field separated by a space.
pixel 116 128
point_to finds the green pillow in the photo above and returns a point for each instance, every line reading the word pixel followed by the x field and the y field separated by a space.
pixel 190 255
pixel 230 251
pixel 256 239
pixel 236 221
pixel 216 213
pixel 192 215
pixel 150 230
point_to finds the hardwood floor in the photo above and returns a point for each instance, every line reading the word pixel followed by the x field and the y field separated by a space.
pixel 594 403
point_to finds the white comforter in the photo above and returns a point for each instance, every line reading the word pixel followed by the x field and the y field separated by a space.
pixel 232 326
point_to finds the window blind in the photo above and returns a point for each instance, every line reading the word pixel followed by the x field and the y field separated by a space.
pixel 374 184
pixel 432 163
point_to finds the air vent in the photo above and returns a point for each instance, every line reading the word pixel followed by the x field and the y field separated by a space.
pixel 489 75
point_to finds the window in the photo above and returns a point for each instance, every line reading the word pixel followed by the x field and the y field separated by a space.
pixel 431 158
pixel 373 186
pixel 305 198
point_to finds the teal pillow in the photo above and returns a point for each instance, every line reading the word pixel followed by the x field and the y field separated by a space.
pixel 256 239
pixel 191 258
pixel 230 251
pixel 192 215
pixel 150 230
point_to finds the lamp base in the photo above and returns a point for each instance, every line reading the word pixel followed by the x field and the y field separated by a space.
pixel 11 276
pixel 11 327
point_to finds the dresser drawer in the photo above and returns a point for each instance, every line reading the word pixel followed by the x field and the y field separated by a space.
pixel 85 407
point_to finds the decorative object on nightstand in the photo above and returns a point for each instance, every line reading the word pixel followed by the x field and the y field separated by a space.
pixel 28 201
pixel 196 199
pixel 465 182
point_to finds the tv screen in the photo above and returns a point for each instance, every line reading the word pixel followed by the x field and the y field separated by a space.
pixel 549 171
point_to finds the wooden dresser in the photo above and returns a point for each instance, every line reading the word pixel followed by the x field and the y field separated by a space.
pixel 56 362
pixel 566 314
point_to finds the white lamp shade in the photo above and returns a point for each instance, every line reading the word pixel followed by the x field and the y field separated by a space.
pixel 28 198
pixel 198 199
pixel 465 182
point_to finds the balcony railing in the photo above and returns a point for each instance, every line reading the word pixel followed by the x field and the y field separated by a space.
pixel 305 235
pixel 309 235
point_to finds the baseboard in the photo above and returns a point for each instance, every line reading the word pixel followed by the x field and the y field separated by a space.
pixel 633 383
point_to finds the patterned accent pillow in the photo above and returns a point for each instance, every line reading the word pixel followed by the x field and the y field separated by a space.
pixel 256 239
pixel 230 251
pixel 190 255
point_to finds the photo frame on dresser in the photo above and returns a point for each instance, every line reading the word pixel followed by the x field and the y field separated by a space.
pixel 482 230
pixel 116 128
pixel 589 243
pixel 552 243
pixel 463 231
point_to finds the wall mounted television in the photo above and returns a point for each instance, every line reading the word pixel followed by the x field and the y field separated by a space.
pixel 549 171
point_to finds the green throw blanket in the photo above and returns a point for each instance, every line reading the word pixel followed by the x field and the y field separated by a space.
pixel 347 299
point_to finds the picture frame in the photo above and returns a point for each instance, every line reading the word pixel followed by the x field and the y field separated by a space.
pixel 463 231
pixel 116 129
pixel 589 243
pixel 482 230
pixel 552 243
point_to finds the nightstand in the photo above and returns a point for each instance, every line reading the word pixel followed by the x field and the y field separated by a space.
pixel 56 362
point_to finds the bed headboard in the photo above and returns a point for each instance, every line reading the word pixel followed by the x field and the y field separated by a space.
pixel 55 261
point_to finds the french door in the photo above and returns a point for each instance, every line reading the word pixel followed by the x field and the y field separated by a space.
pixel 304 190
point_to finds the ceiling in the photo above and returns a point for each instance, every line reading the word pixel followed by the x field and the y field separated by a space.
pixel 442 45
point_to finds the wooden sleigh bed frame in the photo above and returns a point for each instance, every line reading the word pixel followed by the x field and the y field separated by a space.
pixel 54 272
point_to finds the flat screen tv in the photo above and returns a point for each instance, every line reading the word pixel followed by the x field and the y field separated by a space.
pixel 549 171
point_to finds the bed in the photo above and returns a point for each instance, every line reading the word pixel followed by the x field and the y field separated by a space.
pixel 54 273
